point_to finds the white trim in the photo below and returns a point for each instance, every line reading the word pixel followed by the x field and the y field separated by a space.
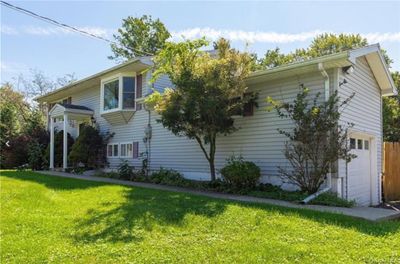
pixel 120 150
pixel 113 156
pixel 112 78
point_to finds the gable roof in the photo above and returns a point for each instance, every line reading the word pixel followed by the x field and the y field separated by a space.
pixel 372 53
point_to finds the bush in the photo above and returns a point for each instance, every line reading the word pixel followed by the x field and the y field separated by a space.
pixel 89 148
pixel 240 174
pixel 167 177
pixel 36 155
pixel 58 147
pixel 331 199
pixel 125 171
pixel 15 154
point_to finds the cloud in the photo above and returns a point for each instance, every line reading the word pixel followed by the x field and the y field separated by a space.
pixel 52 30
pixel 269 36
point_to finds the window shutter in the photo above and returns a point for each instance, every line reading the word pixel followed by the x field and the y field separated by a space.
pixel 139 86
pixel 135 150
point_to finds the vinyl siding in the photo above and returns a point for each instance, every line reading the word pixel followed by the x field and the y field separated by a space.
pixel 364 110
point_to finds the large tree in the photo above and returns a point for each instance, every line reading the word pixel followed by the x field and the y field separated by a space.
pixel 208 91
pixel 139 37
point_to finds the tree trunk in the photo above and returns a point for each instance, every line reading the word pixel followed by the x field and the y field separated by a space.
pixel 212 169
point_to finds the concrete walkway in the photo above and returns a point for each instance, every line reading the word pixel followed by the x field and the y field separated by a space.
pixel 368 213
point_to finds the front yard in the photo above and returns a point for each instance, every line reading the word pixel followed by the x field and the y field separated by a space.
pixel 49 219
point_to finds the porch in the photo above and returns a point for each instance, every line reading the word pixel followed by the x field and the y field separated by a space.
pixel 66 112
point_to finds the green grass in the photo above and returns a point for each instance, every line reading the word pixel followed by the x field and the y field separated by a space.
pixel 59 220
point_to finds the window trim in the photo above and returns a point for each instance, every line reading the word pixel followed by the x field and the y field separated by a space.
pixel 112 149
pixel 118 77
pixel 120 149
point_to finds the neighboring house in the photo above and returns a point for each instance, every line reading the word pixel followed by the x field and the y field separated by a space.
pixel 113 100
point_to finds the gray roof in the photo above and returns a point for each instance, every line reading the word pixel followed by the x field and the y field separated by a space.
pixel 79 107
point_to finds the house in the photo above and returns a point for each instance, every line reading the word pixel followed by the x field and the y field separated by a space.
pixel 113 100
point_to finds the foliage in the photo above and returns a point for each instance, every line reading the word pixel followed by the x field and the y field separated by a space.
pixel 36 155
pixel 89 148
pixel 108 223
pixel 201 106
pixel 391 113
pixel 125 171
pixel 331 199
pixel 316 141
pixel 241 174
pixel 321 45
pixel 138 37
pixel 15 153
pixel 167 177
pixel 14 113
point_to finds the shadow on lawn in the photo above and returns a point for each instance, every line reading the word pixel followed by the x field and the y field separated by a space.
pixel 142 211
pixel 53 182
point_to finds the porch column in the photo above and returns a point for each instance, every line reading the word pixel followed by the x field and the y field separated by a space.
pixel 65 146
pixel 51 143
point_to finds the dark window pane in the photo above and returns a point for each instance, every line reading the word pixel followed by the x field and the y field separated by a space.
pixel 116 150
pixel 128 92
pixel 352 143
pixel 129 84
pixel 109 151
pixel 366 144
pixel 359 144
pixel 111 95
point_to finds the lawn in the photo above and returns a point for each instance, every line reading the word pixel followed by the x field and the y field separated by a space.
pixel 59 220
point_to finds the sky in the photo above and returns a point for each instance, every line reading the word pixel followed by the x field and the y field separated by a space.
pixel 28 43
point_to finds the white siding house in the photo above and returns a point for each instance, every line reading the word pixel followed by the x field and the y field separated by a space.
pixel 257 139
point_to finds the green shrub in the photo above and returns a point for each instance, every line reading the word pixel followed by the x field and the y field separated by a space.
pixel 125 171
pixel 167 177
pixel 36 155
pixel 331 199
pixel 240 174
pixel 89 148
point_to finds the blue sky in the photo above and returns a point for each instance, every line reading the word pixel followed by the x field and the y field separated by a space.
pixel 28 43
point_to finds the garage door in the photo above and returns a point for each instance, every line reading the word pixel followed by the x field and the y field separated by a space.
pixel 359 171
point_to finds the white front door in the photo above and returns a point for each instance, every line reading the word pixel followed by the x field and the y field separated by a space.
pixel 359 171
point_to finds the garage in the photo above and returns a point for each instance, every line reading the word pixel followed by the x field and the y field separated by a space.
pixel 359 170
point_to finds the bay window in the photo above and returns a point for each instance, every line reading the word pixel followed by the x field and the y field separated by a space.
pixel 118 93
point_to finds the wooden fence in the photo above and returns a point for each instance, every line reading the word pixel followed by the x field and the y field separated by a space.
pixel 391 176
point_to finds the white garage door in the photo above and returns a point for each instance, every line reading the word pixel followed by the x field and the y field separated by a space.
pixel 359 171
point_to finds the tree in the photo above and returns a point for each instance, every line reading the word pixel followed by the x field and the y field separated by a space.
pixel 316 142
pixel 208 91
pixel 391 113
pixel 138 37
pixel 321 45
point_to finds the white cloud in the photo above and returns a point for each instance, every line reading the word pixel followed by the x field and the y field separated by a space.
pixel 270 37
pixel 7 30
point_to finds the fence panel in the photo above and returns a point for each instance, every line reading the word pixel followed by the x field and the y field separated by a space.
pixel 391 178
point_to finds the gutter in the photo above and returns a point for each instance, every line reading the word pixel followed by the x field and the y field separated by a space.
pixel 329 176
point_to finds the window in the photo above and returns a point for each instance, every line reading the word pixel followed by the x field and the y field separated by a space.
pixel 112 150
pixel 360 144
pixel 111 95
pixel 128 92
pixel 366 144
pixel 126 150
pixel 352 143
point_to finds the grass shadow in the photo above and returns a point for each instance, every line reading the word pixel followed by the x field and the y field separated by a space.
pixel 52 182
pixel 142 210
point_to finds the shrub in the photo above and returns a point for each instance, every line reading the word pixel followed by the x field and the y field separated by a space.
pixel 241 174
pixel 167 177
pixel 58 147
pixel 125 171
pixel 36 155
pixel 331 199
pixel 15 154
pixel 89 148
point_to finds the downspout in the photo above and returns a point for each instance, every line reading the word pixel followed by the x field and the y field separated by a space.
pixel 329 176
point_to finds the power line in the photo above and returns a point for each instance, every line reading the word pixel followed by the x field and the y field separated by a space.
pixel 63 25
